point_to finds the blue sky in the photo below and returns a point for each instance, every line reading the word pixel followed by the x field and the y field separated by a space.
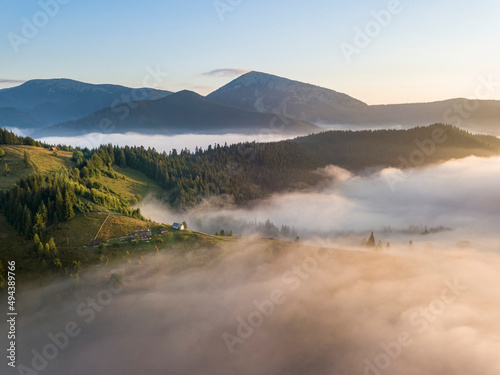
pixel 429 50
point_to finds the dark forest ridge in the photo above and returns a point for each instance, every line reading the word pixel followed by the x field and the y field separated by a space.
pixel 251 170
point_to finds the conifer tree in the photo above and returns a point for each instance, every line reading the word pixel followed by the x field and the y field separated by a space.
pixel 28 224
pixel 371 241
pixel 68 207
pixel 39 225
pixel 27 159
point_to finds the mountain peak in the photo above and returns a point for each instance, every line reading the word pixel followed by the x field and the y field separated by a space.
pixel 48 81
pixel 259 78
pixel 59 85
pixel 183 97
pixel 265 92
pixel 187 94
pixel 255 77
pixel 41 84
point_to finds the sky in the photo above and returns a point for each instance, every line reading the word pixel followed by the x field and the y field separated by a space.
pixel 410 52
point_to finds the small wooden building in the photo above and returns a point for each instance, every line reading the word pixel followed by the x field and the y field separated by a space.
pixel 178 226
pixel 142 235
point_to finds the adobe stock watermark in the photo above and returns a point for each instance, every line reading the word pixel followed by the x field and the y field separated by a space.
pixel 196 254
pixel 223 6
pixel 421 320
pixel 416 158
pixel 484 90
pixel 455 116
pixel 57 342
pixel 123 105
pixel 277 125
pixel 31 26
pixel 364 36
pixel 293 279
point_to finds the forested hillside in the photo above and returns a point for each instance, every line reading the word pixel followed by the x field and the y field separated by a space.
pixel 247 171
pixel 387 148
pixel 61 188
pixel 252 170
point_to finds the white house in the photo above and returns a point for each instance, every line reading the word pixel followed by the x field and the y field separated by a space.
pixel 178 226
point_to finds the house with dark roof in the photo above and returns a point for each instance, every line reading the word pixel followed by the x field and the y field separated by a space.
pixel 141 235
pixel 178 226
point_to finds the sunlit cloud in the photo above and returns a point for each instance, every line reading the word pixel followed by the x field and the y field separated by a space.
pixel 443 195
pixel 226 72
pixel 163 142
pixel 430 312
pixel 10 80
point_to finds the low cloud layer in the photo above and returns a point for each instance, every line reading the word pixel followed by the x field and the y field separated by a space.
pixel 248 310
pixel 163 142
pixel 460 194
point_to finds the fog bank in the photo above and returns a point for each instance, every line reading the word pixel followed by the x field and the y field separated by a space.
pixel 250 311
pixel 460 194
pixel 163 142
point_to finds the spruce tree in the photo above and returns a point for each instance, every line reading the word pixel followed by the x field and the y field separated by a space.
pixel 27 159
pixel 53 253
pixel 371 241
pixel 60 208
pixel 68 207
pixel 42 210
pixel 28 224
pixel 39 225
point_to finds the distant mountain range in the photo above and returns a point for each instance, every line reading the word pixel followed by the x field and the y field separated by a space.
pixel 248 104
pixel 485 119
pixel 268 93
pixel 51 101
pixel 183 112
